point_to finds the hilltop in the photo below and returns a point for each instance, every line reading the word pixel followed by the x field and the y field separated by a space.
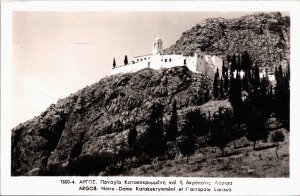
pixel 265 36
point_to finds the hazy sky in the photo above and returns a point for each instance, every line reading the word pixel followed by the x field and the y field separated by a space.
pixel 58 53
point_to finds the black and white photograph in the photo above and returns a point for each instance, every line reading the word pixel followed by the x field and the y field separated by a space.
pixel 150 93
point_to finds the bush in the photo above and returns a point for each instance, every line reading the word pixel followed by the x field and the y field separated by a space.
pixel 54 170
pixel 187 146
pixel 277 137
pixel 221 129
pixel 152 141
pixel 91 164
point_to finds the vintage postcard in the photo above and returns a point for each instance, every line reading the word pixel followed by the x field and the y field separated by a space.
pixel 154 97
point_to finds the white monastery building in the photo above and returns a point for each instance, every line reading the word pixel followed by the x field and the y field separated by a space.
pixel 200 62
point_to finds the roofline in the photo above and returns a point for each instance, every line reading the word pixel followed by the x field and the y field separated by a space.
pixel 142 55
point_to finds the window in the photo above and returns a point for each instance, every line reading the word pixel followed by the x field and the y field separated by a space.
pixel 198 55
pixel 162 59
pixel 137 60
pixel 184 61
pixel 169 60
pixel 148 64
pixel 166 60
pixel 145 58
pixel 201 57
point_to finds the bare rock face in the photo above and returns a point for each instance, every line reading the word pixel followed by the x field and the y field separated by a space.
pixel 265 36
pixel 97 118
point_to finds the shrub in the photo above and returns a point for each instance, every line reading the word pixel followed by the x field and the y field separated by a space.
pixel 91 164
pixel 187 147
pixel 277 137
pixel 221 129
pixel 54 170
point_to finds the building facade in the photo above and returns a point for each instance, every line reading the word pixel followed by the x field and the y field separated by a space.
pixel 200 62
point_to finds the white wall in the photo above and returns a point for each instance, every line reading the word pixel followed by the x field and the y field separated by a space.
pixel 197 63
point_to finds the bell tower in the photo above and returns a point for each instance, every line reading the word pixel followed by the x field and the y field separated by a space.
pixel 157 46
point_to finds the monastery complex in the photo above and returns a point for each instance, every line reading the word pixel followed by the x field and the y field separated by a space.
pixel 200 62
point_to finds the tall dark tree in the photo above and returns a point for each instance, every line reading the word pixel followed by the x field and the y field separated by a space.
pixel 132 137
pixel 246 62
pixel 125 60
pixel 152 142
pixel 235 90
pixel 256 80
pixel 114 63
pixel 235 98
pixel 221 88
pixel 206 95
pixel 187 146
pixel 225 76
pixel 282 97
pixel 216 84
pixel 172 130
pixel 233 62
pixel 195 124
pixel 256 128
pixel 187 142
pixel 238 63
pixel 220 129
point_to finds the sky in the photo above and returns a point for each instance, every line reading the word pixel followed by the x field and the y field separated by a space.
pixel 55 54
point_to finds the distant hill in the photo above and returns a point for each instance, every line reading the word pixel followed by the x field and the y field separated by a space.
pixel 266 37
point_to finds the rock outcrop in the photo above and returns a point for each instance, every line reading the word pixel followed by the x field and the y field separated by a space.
pixel 266 37
pixel 97 118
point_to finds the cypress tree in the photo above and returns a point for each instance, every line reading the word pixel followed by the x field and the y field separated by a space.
pixel 220 129
pixel 246 62
pixel 216 84
pixel 256 79
pixel 172 130
pixel 132 137
pixel 282 97
pixel 238 91
pixel 152 141
pixel 225 77
pixel 114 63
pixel 221 88
pixel 234 62
pixel 125 60
pixel 238 63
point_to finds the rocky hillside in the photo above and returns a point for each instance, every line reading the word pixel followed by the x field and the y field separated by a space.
pixel 266 37
pixel 97 118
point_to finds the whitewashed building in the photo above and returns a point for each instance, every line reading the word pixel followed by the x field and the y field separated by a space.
pixel 200 62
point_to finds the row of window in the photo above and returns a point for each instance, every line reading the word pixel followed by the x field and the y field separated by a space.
pixel 141 59
pixel 166 60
